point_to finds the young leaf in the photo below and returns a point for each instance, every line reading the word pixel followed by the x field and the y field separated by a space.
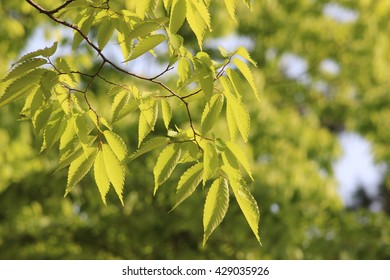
pixel 231 121
pixel 146 45
pixel 106 29
pixel 46 52
pixel 196 21
pixel 147 119
pixel 54 129
pixel 177 15
pixel 237 83
pixel 211 112
pixel 166 163
pixel 215 207
pixel 86 19
pixel 117 145
pixel 246 201
pixel 231 7
pixel 80 167
pixel 25 67
pixel 241 51
pixel 188 183
pixel 240 156
pixel 23 85
pixel 150 145
pixel 184 70
pixel 236 112
pixel 101 177
pixel 210 161
pixel 143 29
pixel 115 170
pixel 248 206
pixel 166 112
pixel 244 69
pixel 145 6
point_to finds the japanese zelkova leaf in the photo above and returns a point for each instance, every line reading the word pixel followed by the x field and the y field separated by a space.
pixel 240 156
pixel 215 207
pixel 184 70
pixel 147 119
pixel 243 52
pixel 166 163
pixel 177 15
pixel 146 44
pixel 54 129
pixel 117 144
pixel 145 6
pixel 24 67
pixel 115 170
pixel 246 201
pixel 167 4
pixel 101 176
pixel 80 167
pixel 196 21
pixel 236 112
pixel 166 112
pixel 150 145
pixel 21 86
pixel 143 29
pixel 231 121
pixel 210 161
pixel 237 82
pixel 188 183
pixel 244 69
pixel 211 112
pixel 87 18
pixel 106 30
pixel 46 52
pixel 40 117
pixel 231 7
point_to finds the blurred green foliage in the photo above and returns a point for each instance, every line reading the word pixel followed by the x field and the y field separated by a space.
pixel 293 144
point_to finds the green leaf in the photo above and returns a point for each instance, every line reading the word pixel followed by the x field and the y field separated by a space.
pixel 248 206
pixel 54 129
pixel 246 201
pixel 41 117
pixel 115 170
pixel 106 29
pixel 21 86
pixel 210 161
pixel 215 207
pixel 143 29
pixel 231 7
pixel 80 167
pixel 237 83
pixel 117 144
pixel 240 156
pixel 166 112
pixel 211 112
pixel 177 15
pixel 146 45
pixel 231 121
pixel 166 163
pixel 147 119
pixel 237 115
pixel 87 18
pixel 188 183
pixel 101 177
pixel 150 145
pixel 184 70
pixel 196 21
pixel 25 67
pixel 243 52
pixel 46 52
pixel 145 6
pixel 244 69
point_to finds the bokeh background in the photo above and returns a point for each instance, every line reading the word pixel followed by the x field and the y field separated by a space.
pixel 323 70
